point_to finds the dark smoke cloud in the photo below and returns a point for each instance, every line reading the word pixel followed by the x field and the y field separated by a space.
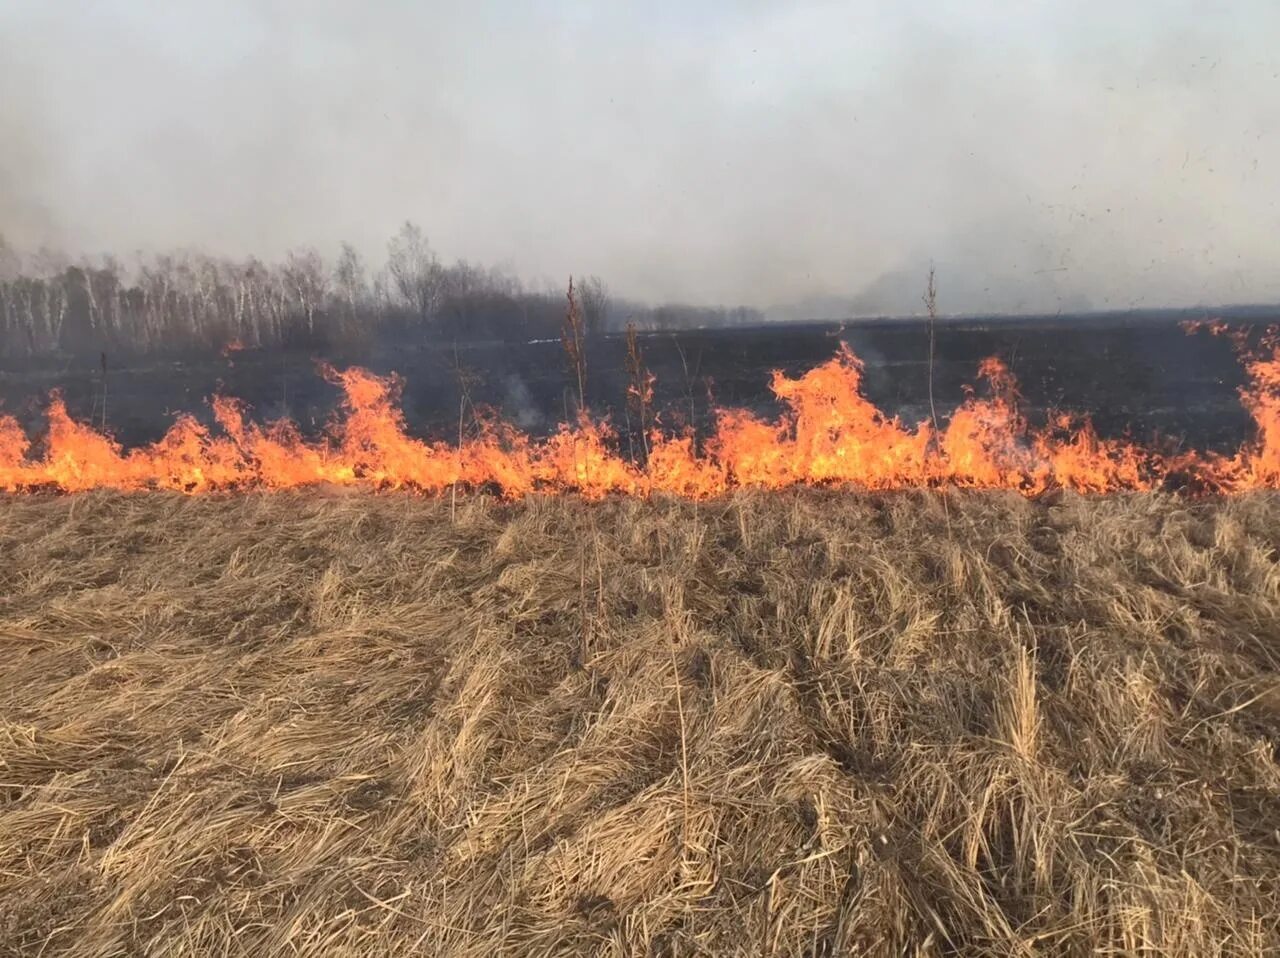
pixel 1045 155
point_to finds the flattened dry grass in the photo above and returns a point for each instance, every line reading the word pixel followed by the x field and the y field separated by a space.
pixel 807 723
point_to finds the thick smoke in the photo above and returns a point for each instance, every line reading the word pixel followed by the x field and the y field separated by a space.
pixel 1045 155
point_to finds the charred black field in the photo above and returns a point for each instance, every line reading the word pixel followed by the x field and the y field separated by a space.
pixel 1134 373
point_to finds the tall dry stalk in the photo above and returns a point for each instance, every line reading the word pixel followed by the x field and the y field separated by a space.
pixel 639 387
pixel 464 400
pixel 573 336
pixel 104 391
pixel 684 751
pixel 1019 714
pixel 931 305
pixel 688 386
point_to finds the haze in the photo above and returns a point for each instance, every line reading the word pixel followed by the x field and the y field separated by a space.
pixel 809 158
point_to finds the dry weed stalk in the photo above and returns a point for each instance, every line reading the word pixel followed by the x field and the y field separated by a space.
pixel 465 378
pixel 931 306
pixel 639 388
pixel 573 337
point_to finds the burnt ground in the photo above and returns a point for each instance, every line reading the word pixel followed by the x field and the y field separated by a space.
pixel 1139 374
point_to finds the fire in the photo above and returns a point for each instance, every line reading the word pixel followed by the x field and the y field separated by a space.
pixel 830 432
pixel 1260 460
pixel 827 433
pixel 13 453
pixel 1257 464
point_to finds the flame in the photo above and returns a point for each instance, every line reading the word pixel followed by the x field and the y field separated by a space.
pixel 1257 464
pixel 1260 460
pixel 13 452
pixel 828 432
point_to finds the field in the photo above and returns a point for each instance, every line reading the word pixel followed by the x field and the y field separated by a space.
pixel 807 722
pixel 1133 373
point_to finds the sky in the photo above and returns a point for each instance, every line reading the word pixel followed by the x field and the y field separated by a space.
pixel 806 157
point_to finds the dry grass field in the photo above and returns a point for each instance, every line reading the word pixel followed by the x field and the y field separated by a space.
pixel 803 723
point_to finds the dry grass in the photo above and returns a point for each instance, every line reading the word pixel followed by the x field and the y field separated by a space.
pixel 805 723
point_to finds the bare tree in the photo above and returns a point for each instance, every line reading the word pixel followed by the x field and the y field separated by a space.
pixel 10 316
pixel 50 293
pixel 594 295
pixel 10 262
pixel 307 280
pixel 186 299
pixel 416 271
pixel 253 280
pixel 382 291
pixel 502 282
pixel 349 281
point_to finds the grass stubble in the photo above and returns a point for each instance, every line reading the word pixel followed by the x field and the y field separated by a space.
pixel 792 723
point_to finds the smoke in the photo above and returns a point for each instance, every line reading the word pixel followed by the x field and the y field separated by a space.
pixel 519 405
pixel 1044 155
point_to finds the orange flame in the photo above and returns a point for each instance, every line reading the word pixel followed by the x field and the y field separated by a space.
pixel 827 433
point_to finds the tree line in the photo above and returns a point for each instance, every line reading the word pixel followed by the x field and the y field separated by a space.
pixel 192 302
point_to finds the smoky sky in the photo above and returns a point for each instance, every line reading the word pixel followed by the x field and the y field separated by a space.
pixel 1044 155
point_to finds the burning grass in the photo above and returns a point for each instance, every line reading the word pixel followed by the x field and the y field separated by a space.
pixel 828 433
pixel 794 723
